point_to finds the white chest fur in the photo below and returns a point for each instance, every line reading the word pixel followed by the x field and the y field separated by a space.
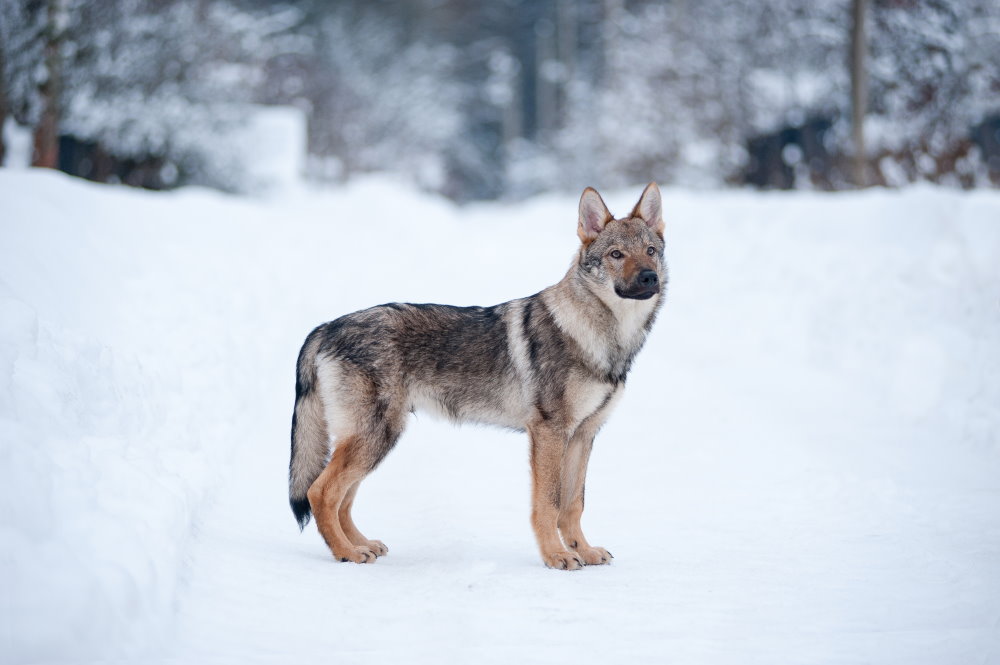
pixel 632 316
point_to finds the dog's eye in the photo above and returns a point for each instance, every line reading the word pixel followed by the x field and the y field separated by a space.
pixel 651 251
pixel 616 254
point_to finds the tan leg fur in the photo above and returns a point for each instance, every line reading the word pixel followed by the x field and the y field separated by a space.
pixel 326 497
pixel 574 473
pixel 547 449
pixel 351 531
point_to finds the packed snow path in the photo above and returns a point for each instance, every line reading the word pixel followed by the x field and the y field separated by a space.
pixel 805 468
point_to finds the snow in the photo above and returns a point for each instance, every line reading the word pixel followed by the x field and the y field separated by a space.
pixel 805 466
pixel 18 143
pixel 272 148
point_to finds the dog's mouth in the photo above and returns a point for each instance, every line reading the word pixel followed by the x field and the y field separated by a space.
pixel 637 294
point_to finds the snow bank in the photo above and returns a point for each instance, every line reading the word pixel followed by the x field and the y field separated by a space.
pixel 806 466
pixel 104 454
pixel 272 148
pixel 18 141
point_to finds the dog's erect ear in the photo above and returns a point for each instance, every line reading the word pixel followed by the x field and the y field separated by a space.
pixel 593 215
pixel 649 208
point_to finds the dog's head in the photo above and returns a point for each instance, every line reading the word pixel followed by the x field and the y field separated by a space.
pixel 626 253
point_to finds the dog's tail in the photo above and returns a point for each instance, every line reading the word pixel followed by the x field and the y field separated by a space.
pixel 310 438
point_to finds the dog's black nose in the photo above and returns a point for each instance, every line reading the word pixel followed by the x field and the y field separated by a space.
pixel 647 278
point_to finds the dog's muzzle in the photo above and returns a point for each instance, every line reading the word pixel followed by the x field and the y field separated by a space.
pixel 646 285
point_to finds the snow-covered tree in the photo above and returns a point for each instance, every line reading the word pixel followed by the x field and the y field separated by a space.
pixel 381 103
pixel 163 79
pixel 31 37
pixel 169 79
pixel 685 85
pixel 934 76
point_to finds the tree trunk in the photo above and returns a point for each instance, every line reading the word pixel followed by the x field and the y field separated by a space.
pixel 4 104
pixel 566 36
pixel 545 87
pixel 46 134
pixel 859 91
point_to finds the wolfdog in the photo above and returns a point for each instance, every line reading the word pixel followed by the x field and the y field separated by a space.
pixel 552 365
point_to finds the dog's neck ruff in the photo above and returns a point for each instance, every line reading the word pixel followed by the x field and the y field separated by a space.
pixel 609 329
pixel 633 317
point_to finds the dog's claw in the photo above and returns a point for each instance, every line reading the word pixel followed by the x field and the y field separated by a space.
pixel 357 555
pixel 377 547
pixel 595 556
pixel 563 561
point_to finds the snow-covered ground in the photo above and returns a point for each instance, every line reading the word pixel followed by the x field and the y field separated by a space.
pixel 805 468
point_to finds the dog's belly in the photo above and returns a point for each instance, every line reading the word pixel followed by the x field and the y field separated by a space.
pixel 500 405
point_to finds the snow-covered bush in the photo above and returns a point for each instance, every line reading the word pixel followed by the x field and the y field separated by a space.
pixel 169 80
pixel 381 103
pixel 934 76
pixel 685 86
pixel 161 81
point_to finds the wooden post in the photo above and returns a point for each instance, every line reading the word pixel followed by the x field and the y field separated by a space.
pixel 46 134
pixel 4 104
pixel 859 91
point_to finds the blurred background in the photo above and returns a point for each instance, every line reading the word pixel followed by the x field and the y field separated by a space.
pixel 504 99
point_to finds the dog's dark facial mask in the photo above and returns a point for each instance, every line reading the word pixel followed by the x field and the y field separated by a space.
pixel 628 252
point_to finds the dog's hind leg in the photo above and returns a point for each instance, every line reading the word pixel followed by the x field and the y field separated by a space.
pixel 379 422
pixel 351 531
pixel 346 469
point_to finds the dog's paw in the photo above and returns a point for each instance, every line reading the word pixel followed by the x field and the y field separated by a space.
pixel 359 554
pixel 378 547
pixel 563 560
pixel 595 556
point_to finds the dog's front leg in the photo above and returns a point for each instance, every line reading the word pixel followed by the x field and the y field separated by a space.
pixel 574 478
pixel 548 446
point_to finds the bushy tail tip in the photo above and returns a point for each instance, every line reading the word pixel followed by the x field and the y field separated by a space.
pixel 302 511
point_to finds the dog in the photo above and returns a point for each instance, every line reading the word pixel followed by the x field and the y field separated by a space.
pixel 553 365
